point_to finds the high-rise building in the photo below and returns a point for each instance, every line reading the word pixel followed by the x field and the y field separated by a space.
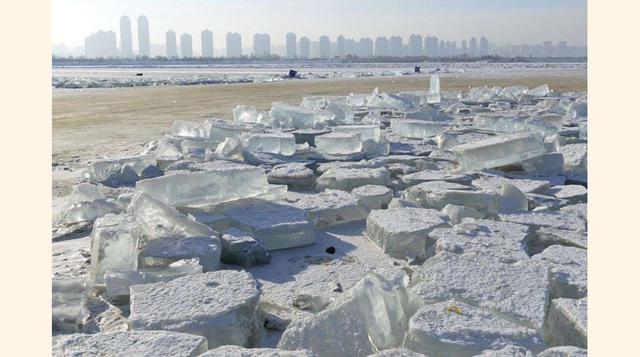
pixel 351 47
pixel 234 45
pixel 305 49
pixel 442 49
pixel 484 46
pixel 186 45
pixel 101 44
pixel 206 41
pixel 172 46
pixel 381 46
pixel 261 45
pixel 291 45
pixel 464 50
pixel 548 49
pixel 473 47
pixel 395 46
pixel 415 45
pixel 341 46
pixel 431 46
pixel 324 46
pixel 563 49
pixel 365 47
pixel 126 41
pixel 144 46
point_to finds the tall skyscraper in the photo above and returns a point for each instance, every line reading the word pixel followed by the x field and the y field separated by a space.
pixel 291 45
pixel 442 49
pixel 563 49
pixel 305 48
pixel 172 46
pixel 206 40
pixel 431 46
pixel 101 44
pixel 324 46
pixel 473 47
pixel 144 46
pixel 126 42
pixel 464 49
pixel 548 49
pixel 396 47
pixel 484 46
pixel 415 45
pixel 341 46
pixel 351 47
pixel 261 45
pixel 365 47
pixel 381 47
pixel 186 45
pixel 234 45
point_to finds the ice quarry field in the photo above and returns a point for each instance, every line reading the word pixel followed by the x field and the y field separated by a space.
pixel 431 216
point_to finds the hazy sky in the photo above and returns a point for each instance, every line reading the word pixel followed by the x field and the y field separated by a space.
pixel 502 21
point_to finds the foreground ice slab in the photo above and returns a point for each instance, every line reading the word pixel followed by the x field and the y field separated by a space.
pixel 397 352
pixel 564 351
pixel 243 114
pixel 220 306
pixel 163 252
pixel 237 351
pixel 347 179
pixel 241 248
pixel 438 194
pixel 372 315
pixel 114 245
pixel 297 176
pixel 130 343
pixel 568 270
pixel 567 322
pixel 454 328
pixel 373 196
pixel 67 299
pixel 206 187
pixel 417 129
pixel 549 219
pixel 403 232
pixel 120 172
pixel 339 143
pixel 507 351
pixel 327 208
pixel 519 290
pixel 273 143
pixel 498 151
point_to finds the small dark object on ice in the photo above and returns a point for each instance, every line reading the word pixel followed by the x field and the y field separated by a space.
pixel 292 73
pixel 330 250
pixel 416 69
pixel 139 74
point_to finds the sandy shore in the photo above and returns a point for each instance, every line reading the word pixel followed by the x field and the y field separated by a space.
pixel 89 124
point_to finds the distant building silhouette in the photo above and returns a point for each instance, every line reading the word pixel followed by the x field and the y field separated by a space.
pixel 381 47
pixel 126 41
pixel 563 49
pixel 291 45
pixel 365 47
pixel 172 46
pixel 463 48
pixel 261 45
pixel 101 44
pixel 305 47
pixel 186 45
pixel 484 46
pixel 431 46
pixel 144 46
pixel 341 48
pixel 351 47
pixel 415 45
pixel 234 45
pixel 396 47
pixel 324 46
pixel 442 49
pixel 473 47
pixel 206 41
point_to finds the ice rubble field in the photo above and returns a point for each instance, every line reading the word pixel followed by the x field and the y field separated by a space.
pixel 125 76
pixel 387 224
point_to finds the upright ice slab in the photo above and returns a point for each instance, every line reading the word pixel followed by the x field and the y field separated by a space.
pixel 243 114
pixel 339 143
pixel 206 187
pixel 367 132
pixel 416 129
pixel 498 151
pixel 273 143
pixel 114 245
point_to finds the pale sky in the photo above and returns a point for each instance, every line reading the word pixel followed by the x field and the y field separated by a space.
pixel 501 21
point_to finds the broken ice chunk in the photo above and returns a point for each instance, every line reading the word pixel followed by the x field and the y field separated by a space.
pixel 274 143
pixel 434 84
pixel 568 270
pixel 241 248
pixel 540 91
pixel 206 187
pixel 243 114
pixel 507 351
pixel 437 175
pixel 438 194
pixel 230 148
pixel 163 252
pixel 545 219
pixel 416 129
pixel 498 151
pixel 567 322
pixel 68 297
pixel 397 352
pixel 572 193
pixel 297 176
pixel 457 213
pixel 367 132
pixel 328 208
pixel 547 164
pixel 373 196
pixel 237 351
pixel 119 172
pixel 339 143
pixel 221 306
pixel 218 130
pixel 512 199
pixel 197 148
pixel 347 179
pixel 189 129
pixel 453 328
pixel 564 351
pixel 85 192
pixel 300 117
pixel 403 232
pixel 114 245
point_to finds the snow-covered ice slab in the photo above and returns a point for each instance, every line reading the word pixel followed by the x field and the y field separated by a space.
pixel 453 328
pixel 67 299
pixel 564 351
pixel 549 219
pixel 119 172
pixel 438 194
pixel 397 352
pixel 206 187
pixel 130 343
pixel 519 291
pixel 507 351
pixel 373 196
pixel 572 193
pixel 327 208
pixel 457 213
pixel 220 306
pixel 494 182
pixel 499 151
pixel 568 270
pixel 114 245
pixel 163 252
pixel 366 132
pixel 547 164
pixel 575 158
pixel 435 175
pixel 546 236
pixel 297 176
pixel 339 143
pixel 194 149
pixel 505 241
pixel 347 179
pixel 372 315
pixel 157 220
pixel 403 232
pixel 241 248
pixel 277 225
pixel 237 351
pixel 512 199
pixel 567 322
pixel 417 129
pixel 273 143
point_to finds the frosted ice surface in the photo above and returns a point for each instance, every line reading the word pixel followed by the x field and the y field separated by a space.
pixel 498 151
pixel 68 297
pixel 416 129
pixel 512 199
pixel 540 91
pixel 373 196
pixel 237 351
pixel 564 351
pixel 114 245
pixel 567 322
pixel 243 114
pixel 241 248
pixel 367 132
pixel 347 179
pixel 125 171
pixel 327 208
pixel 218 130
pixel 188 129
pixel 343 113
pixel 85 192
pixel 339 143
pixel 273 143
pixel 300 117
pixel 162 252
pixel 197 148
